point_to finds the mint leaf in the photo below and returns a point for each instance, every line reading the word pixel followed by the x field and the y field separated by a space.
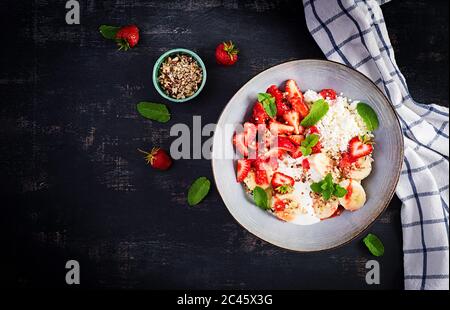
pixel 307 144
pixel 368 115
pixel 374 245
pixel 339 191
pixel 198 190
pixel 318 110
pixel 268 102
pixel 326 194
pixel 154 111
pixel 329 179
pixel 260 198
pixel 108 32
pixel 316 188
pixel 310 140
pixel 305 150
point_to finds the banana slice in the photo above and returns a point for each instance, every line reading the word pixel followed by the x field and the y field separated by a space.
pixel 288 214
pixel 356 196
pixel 362 169
pixel 320 166
pixel 324 208
pixel 249 180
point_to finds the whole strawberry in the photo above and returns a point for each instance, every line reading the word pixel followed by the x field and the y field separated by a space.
pixel 226 53
pixel 157 158
pixel 127 37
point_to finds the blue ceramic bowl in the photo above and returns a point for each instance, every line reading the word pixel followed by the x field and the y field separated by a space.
pixel 174 52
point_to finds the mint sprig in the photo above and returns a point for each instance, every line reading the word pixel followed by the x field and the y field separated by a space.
pixel 368 115
pixel 327 188
pixel 268 102
pixel 318 110
pixel 307 144
pixel 374 244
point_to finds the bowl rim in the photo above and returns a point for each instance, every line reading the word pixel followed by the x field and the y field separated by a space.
pixel 160 60
pixel 386 201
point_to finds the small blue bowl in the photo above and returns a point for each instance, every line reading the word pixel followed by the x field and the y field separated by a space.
pixel 162 58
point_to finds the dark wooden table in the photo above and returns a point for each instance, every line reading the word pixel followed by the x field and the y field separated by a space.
pixel 74 187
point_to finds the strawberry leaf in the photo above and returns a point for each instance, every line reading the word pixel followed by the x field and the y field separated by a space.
pixel 284 189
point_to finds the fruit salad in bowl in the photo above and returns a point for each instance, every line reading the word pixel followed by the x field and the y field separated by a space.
pixel 303 155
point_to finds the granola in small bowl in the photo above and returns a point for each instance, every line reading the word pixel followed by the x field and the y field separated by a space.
pixel 179 75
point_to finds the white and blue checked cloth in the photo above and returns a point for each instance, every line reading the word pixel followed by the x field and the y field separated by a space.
pixel 354 33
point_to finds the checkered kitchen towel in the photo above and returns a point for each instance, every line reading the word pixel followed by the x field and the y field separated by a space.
pixel 354 33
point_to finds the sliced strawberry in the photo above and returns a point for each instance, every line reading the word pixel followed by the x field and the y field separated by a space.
pixel 316 148
pixel 239 142
pixel 283 143
pixel 280 179
pixel 313 129
pixel 282 107
pixel 358 148
pixel 278 128
pixel 260 163
pixel 346 162
pixel 243 167
pixel 273 162
pixel 297 139
pixel 301 129
pixel 250 131
pixel 305 164
pixel 252 152
pixel 295 98
pixel 293 119
pixel 292 89
pixel 296 154
pixel 261 178
pixel 279 205
pixel 270 159
pixel 300 106
pixel 280 154
pixel 259 115
pixel 328 93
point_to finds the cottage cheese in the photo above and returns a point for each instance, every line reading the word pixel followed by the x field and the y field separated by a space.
pixel 310 96
pixel 339 125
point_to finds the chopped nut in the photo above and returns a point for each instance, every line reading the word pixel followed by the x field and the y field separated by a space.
pixel 180 77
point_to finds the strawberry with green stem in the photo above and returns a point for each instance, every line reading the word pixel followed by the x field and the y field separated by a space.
pixel 226 53
pixel 157 158
pixel 126 37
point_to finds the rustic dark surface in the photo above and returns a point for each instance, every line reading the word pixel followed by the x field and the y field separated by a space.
pixel 74 187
